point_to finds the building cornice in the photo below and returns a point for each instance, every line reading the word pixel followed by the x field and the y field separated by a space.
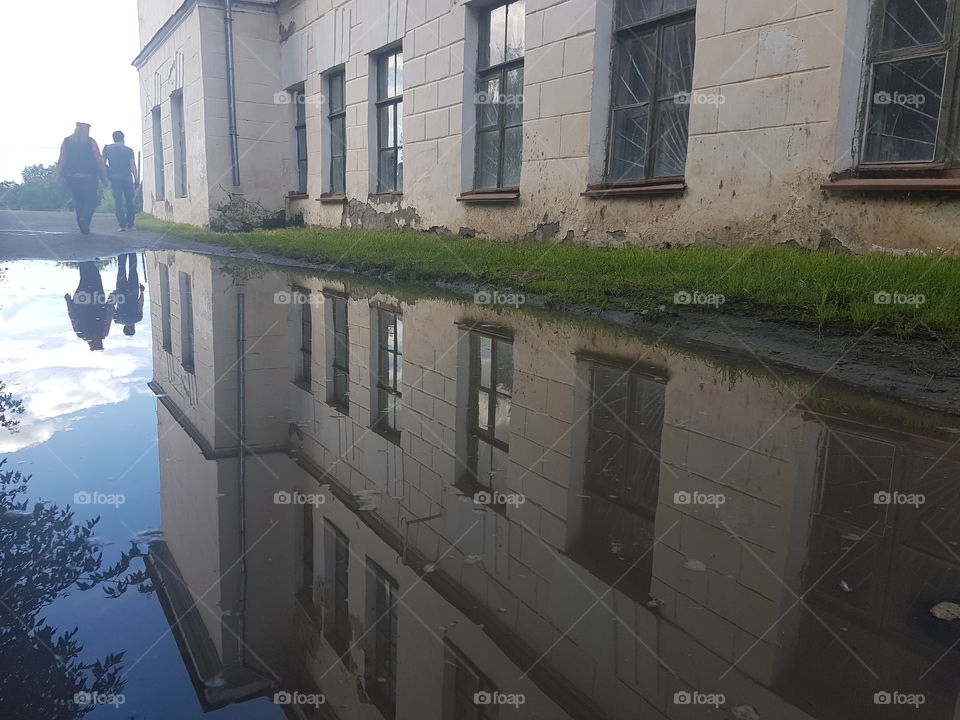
pixel 181 14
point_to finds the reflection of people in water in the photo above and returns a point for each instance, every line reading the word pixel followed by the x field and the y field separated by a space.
pixel 127 299
pixel 89 311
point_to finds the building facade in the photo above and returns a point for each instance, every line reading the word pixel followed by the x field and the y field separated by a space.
pixel 807 122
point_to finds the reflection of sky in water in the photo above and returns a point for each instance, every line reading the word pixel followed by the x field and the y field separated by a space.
pixel 90 424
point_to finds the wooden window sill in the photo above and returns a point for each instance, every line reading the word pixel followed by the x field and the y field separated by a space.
pixel 297 196
pixel 331 199
pixel 889 184
pixel 504 195
pixel 661 186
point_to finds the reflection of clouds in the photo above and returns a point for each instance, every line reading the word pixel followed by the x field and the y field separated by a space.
pixel 45 364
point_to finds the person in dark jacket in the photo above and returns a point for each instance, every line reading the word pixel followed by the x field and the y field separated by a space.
pixel 90 312
pixel 127 299
pixel 122 174
pixel 81 167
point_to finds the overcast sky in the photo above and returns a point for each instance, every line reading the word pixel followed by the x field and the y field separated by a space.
pixel 65 61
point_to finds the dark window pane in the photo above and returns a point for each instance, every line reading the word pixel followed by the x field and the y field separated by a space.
pixel 387 138
pixel 635 67
pixel 676 59
pixel 629 144
pixel 388 170
pixel 512 155
pixel 670 138
pixel 335 83
pixel 904 112
pixel 515 19
pixel 337 175
pixel 504 368
pixel 488 158
pixel 399 107
pixel 398 82
pixel 909 23
pixel 488 102
pixel 630 12
pixel 513 97
pixel 493 50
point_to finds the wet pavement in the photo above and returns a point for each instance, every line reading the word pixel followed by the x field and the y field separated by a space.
pixel 328 497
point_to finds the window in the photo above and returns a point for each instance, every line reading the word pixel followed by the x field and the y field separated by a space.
pixel 339 394
pixel 307 546
pixel 389 328
pixel 621 476
pixel 158 186
pixel 186 322
pixel 488 411
pixel 390 122
pixel 165 334
pixel 337 118
pixel 380 671
pixel 499 97
pixel 652 77
pixel 305 373
pixel 179 144
pixel 336 562
pixel 907 113
pixel 300 130
pixel 469 689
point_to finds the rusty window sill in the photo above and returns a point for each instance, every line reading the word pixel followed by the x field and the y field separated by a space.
pixel 888 184
pixel 661 186
pixel 297 196
pixel 502 195
pixel 332 199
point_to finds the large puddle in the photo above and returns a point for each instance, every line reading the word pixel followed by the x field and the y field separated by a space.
pixel 329 498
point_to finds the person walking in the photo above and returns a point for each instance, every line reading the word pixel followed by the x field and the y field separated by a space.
pixel 127 299
pixel 81 167
pixel 123 177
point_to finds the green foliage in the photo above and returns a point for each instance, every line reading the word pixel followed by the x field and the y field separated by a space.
pixel 817 288
pixel 41 189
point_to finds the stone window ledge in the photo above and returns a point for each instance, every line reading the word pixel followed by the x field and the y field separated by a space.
pixel 500 195
pixel 660 186
pixel 333 199
pixel 866 183
pixel 385 197
pixel 292 195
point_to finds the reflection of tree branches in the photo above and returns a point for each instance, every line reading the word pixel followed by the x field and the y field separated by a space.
pixel 44 554
pixel 10 407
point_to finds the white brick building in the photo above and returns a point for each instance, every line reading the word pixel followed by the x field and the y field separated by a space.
pixel 732 121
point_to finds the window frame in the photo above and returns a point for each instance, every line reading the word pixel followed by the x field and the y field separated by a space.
pixel 304 377
pixel 946 157
pixel 181 188
pixel 382 389
pixel 166 324
pixel 620 32
pixel 395 101
pixel 159 181
pixel 187 349
pixel 336 366
pixel 299 100
pixel 338 632
pixel 388 614
pixel 483 74
pixel 475 434
pixel 337 118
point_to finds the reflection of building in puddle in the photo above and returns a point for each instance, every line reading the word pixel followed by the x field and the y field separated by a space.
pixel 442 505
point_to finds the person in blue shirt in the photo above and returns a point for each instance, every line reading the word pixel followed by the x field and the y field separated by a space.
pixel 123 177
pixel 127 299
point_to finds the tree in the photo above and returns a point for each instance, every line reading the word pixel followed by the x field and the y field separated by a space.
pixel 44 555
pixel 41 189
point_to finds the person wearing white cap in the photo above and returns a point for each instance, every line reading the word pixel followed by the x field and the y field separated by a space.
pixel 81 167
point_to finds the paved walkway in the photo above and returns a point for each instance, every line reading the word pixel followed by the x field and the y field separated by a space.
pixel 28 234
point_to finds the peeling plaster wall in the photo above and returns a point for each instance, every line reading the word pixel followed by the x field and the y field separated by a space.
pixel 789 73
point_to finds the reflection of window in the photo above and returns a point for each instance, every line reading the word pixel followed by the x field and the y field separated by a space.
pixel 336 562
pixel 621 475
pixel 381 659
pixel 464 685
pixel 300 130
pixel 158 184
pixel 908 105
pixel 390 122
pixel 165 334
pixel 389 329
pixel 652 76
pixel 306 338
pixel 339 374
pixel 499 97
pixel 488 412
pixel 179 144
pixel 337 119
pixel 307 546
pixel 186 322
